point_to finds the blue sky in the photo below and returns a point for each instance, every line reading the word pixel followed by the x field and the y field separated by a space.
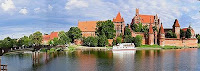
pixel 23 17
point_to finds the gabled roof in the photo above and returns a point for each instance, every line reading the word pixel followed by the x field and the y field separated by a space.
pixel 87 26
pixel 50 37
pixel 46 37
pixel 162 29
pixel 176 23
pixel 118 18
pixel 185 29
pixel 150 29
pixel 146 18
pixel 53 35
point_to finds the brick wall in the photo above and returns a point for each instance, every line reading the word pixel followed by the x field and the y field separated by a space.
pixel 87 34
pixel 192 42
pixel 134 34
pixel 110 42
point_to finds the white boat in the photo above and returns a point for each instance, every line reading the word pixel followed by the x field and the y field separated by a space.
pixel 124 46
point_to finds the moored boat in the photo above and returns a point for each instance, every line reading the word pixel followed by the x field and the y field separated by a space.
pixel 124 46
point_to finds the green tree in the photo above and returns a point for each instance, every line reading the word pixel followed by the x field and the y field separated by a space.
pixel 107 28
pixel 127 31
pixel 170 34
pixel 90 41
pixel 128 39
pixel 50 42
pixel 26 41
pixel 118 40
pixel 7 43
pixel 74 33
pixel 36 38
pixel 103 41
pixel 182 33
pixel 127 35
pixel 138 40
pixel 55 41
pixel 139 28
pixel 188 33
pixel 63 38
pixel 145 29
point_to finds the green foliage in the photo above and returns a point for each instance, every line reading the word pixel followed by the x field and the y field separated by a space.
pixel 127 35
pixel 8 43
pixel 118 40
pixel 138 40
pixel 36 38
pixel 128 39
pixel 170 34
pixel 182 33
pixel 55 41
pixel 106 28
pixel 26 41
pixel 51 42
pixel 102 41
pixel 198 37
pixel 74 33
pixel 155 29
pixel 127 31
pixel 145 29
pixel 188 33
pixel 63 38
pixel 139 28
pixel 90 41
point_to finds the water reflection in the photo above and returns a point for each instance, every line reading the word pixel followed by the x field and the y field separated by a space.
pixel 140 60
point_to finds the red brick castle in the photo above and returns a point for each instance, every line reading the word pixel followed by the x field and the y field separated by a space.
pixel 153 37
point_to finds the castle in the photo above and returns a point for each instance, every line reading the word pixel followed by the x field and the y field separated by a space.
pixel 152 37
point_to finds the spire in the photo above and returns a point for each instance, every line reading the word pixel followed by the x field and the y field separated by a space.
pixel 156 16
pixel 137 11
pixel 118 18
pixel 162 29
pixel 176 23
pixel 150 29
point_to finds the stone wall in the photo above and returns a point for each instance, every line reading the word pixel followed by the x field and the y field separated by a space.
pixel 192 42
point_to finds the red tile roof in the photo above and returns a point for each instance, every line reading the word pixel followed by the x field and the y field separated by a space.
pixel 53 35
pixel 185 29
pixel 147 18
pixel 162 29
pixel 176 23
pixel 118 18
pixel 87 26
pixel 50 37
pixel 150 29
pixel 46 37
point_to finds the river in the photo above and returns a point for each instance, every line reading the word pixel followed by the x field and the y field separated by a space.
pixel 140 60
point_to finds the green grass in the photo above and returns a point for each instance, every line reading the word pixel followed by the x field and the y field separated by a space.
pixel 149 46
pixel 158 46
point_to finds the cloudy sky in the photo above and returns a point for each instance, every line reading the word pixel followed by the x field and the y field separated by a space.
pixel 23 17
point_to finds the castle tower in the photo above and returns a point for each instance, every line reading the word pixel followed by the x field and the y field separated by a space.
pixel 119 24
pixel 137 12
pixel 151 35
pixel 176 28
pixel 161 36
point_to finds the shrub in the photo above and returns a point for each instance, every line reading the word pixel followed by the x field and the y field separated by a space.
pixel 138 41
pixel 90 41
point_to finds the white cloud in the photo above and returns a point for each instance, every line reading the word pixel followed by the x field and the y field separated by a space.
pixel 23 11
pixel 36 10
pixel 7 5
pixel 76 4
pixel 50 7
